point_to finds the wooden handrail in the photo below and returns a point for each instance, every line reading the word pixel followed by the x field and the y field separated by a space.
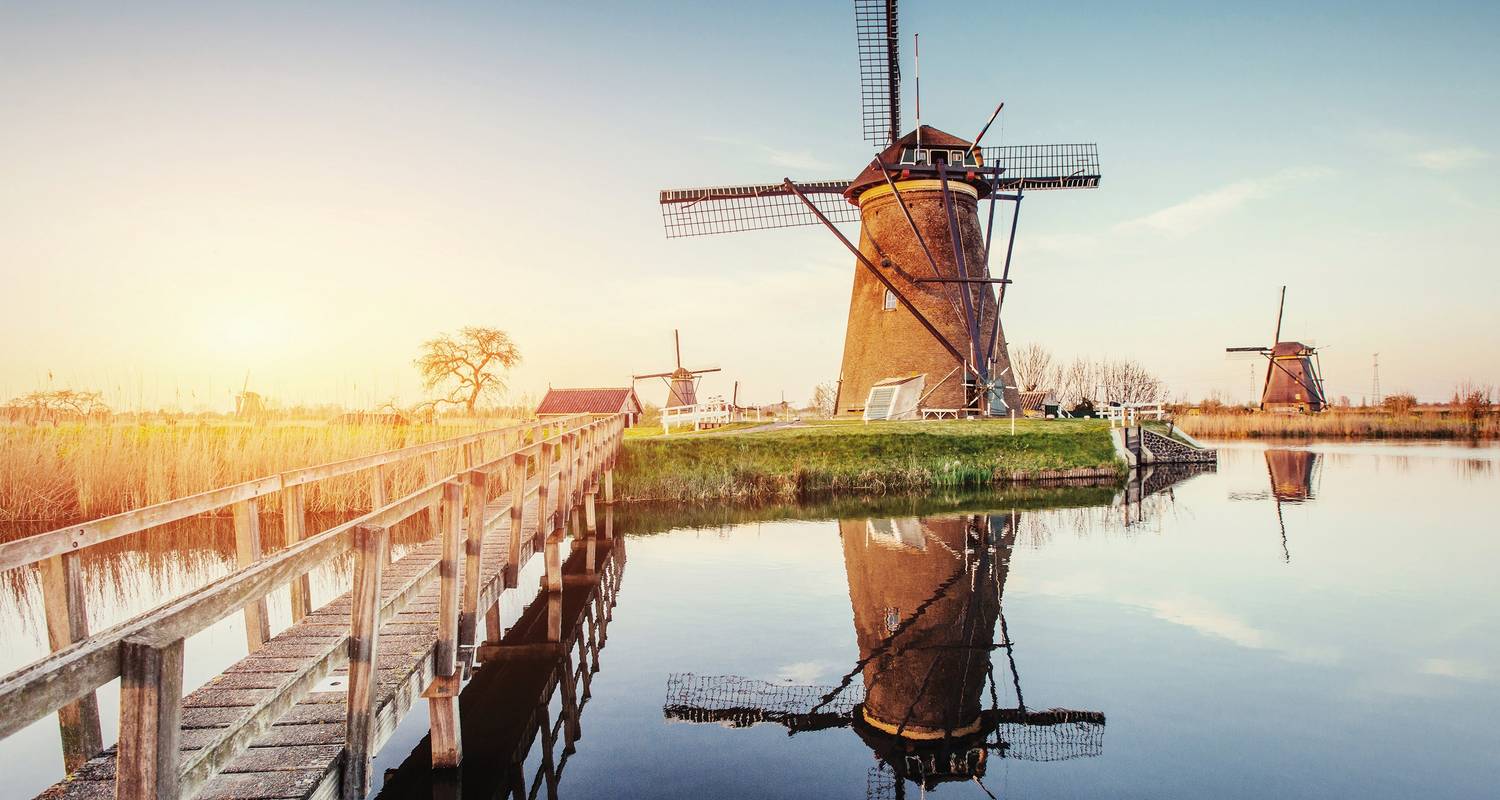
pixel 44 686
pixel 31 549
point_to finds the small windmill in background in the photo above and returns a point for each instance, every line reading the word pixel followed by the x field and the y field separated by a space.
pixel 1294 376
pixel 682 383
pixel 247 404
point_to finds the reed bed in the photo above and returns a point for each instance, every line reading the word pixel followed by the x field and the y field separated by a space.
pixel 1341 425
pixel 84 471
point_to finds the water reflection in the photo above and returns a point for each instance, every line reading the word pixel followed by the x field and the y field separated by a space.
pixel 923 696
pixel 548 657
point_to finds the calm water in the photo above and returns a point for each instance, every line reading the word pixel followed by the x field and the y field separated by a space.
pixel 1305 622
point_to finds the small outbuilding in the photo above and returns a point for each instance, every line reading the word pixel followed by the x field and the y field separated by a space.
pixel 600 402
pixel 1040 404
pixel 895 398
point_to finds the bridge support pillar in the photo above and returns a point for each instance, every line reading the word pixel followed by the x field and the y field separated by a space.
pixel 609 486
pixel 588 512
pixel 443 719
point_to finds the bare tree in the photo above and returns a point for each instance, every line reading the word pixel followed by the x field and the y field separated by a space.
pixel 469 364
pixel 1400 403
pixel 824 396
pixel 1032 366
pixel 1108 380
pixel 53 405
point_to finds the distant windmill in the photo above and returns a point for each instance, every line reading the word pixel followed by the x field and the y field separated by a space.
pixel 1294 378
pixel 925 303
pixel 682 384
pixel 248 404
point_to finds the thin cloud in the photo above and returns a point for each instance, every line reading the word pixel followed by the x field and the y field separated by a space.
pixel 1445 159
pixel 796 160
pixel 1202 210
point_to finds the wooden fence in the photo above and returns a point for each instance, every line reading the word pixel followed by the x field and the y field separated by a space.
pixel 502 468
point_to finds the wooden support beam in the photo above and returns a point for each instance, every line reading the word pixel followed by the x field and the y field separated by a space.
pixel 589 522
pixel 476 497
pixel 150 718
pixel 553 556
pixel 609 486
pixel 370 545
pixel 247 551
pixel 449 562
pixel 435 511
pixel 492 630
pixel 544 488
pixel 444 731
pixel 294 522
pixel 67 622
pixel 517 510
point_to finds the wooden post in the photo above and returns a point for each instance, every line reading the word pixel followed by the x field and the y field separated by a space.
pixel 517 512
pixel 150 718
pixel 247 552
pixel 68 622
pixel 554 563
pixel 478 497
pixel 589 522
pixel 377 486
pixel 370 544
pixel 294 521
pixel 609 486
pixel 492 631
pixel 448 579
pixel 544 489
pixel 435 511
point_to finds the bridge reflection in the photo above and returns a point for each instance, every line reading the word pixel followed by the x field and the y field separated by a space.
pixel 547 657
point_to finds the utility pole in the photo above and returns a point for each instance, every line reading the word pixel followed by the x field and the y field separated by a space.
pixel 1375 383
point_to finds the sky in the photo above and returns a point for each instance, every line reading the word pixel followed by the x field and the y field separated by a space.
pixel 197 196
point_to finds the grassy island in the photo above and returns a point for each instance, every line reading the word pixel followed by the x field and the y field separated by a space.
pixel 839 456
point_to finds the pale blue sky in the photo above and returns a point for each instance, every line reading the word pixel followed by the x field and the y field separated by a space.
pixel 192 191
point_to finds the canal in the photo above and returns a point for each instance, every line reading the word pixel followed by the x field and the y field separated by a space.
pixel 1307 621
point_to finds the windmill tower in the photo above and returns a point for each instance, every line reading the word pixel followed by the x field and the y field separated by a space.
pixel 1294 378
pixel 682 384
pixel 924 301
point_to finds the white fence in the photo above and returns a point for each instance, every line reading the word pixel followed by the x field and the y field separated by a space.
pixel 710 414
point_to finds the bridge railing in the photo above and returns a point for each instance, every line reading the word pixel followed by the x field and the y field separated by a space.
pixel 145 652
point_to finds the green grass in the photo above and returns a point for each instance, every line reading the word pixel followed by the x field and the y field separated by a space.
pixel 879 457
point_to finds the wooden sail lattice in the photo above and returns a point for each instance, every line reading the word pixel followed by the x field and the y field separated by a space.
pixel 730 209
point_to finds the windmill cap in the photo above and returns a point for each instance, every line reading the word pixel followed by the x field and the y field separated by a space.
pixel 932 139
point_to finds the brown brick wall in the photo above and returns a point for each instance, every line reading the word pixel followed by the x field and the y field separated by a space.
pixel 881 344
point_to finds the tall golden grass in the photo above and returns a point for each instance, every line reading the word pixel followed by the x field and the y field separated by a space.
pixel 83 471
pixel 1341 425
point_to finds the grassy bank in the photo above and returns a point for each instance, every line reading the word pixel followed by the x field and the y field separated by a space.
pixel 1340 425
pixel 843 457
pixel 82 471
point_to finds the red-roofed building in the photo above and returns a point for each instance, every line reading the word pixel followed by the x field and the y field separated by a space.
pixel 601 402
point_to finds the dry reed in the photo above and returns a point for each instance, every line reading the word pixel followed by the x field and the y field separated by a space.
pixel 1341 425
pixel 84 471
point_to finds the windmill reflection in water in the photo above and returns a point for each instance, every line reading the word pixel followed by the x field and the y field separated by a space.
pixel 1293 475
pixel 926 595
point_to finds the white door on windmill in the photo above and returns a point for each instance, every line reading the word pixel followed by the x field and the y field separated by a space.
pixel 895 398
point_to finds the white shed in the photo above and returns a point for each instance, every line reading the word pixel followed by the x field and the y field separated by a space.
pixel 895 398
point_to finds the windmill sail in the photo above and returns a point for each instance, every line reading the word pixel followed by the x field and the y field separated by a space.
pixel 879 69
pixel 730 209
pixel 1045 166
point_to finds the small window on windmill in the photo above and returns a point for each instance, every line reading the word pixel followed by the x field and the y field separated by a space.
pixel 955 156
pixel 908 155
pixel 890 300
pixel 970 160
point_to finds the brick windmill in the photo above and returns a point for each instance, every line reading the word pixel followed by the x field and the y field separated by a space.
pixel 682 383
pixel 1294 379
pixel 925 306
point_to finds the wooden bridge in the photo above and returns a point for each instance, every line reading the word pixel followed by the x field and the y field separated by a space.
pixel 302 715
